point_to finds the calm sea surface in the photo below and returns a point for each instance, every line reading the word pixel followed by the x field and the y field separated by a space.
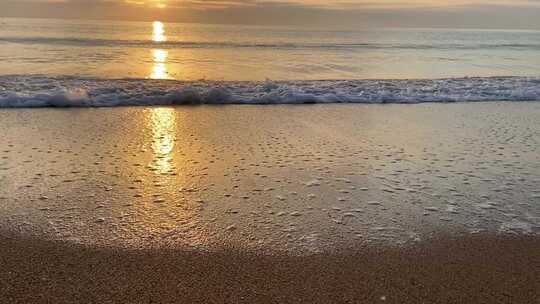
pixel 106 49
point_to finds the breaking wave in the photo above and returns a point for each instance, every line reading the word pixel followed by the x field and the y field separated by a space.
pixel 43 91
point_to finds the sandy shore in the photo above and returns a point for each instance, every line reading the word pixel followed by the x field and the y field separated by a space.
pixel 431 203
pixel 478 269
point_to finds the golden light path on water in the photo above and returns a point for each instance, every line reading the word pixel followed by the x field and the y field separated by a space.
pixel 159 69
pixel 159 56
pixel 158 33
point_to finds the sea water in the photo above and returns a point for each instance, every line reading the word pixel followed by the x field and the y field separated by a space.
pixel 107 63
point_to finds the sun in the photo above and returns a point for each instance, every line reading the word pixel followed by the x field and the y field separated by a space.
pixel 148 3
pixel 160 3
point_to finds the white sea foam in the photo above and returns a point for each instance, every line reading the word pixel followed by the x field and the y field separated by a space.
pixel 42 91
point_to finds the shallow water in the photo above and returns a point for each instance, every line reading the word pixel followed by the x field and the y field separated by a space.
pixel 294 178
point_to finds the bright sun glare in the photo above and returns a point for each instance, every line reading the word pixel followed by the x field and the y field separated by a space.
pixel 159 70
pixel 158 34
pixel 159 56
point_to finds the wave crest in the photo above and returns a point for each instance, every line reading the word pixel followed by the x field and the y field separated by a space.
pixel 42 91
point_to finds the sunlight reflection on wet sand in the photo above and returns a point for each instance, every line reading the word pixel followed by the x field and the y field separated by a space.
pixel 204 176
pixel 162 122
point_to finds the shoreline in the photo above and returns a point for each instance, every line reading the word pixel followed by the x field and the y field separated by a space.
pixel 474 269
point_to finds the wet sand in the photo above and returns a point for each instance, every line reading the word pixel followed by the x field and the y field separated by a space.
pixel 280 178
pixel 430 203
pixel 475 269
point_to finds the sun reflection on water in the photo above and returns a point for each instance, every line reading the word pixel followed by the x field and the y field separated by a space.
pixel 159 56
pixel 158 33
pixel 163 126
pixel 159 69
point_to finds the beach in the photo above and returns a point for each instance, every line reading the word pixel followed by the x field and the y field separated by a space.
pixel 301 151
pixel 474 269
pixel 339 203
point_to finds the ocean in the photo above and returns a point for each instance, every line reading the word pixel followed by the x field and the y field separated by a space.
pixel 46 62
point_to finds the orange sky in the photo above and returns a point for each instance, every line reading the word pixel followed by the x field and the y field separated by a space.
pixel 428 13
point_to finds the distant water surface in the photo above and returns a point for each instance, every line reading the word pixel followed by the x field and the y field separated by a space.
pixel 107 49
